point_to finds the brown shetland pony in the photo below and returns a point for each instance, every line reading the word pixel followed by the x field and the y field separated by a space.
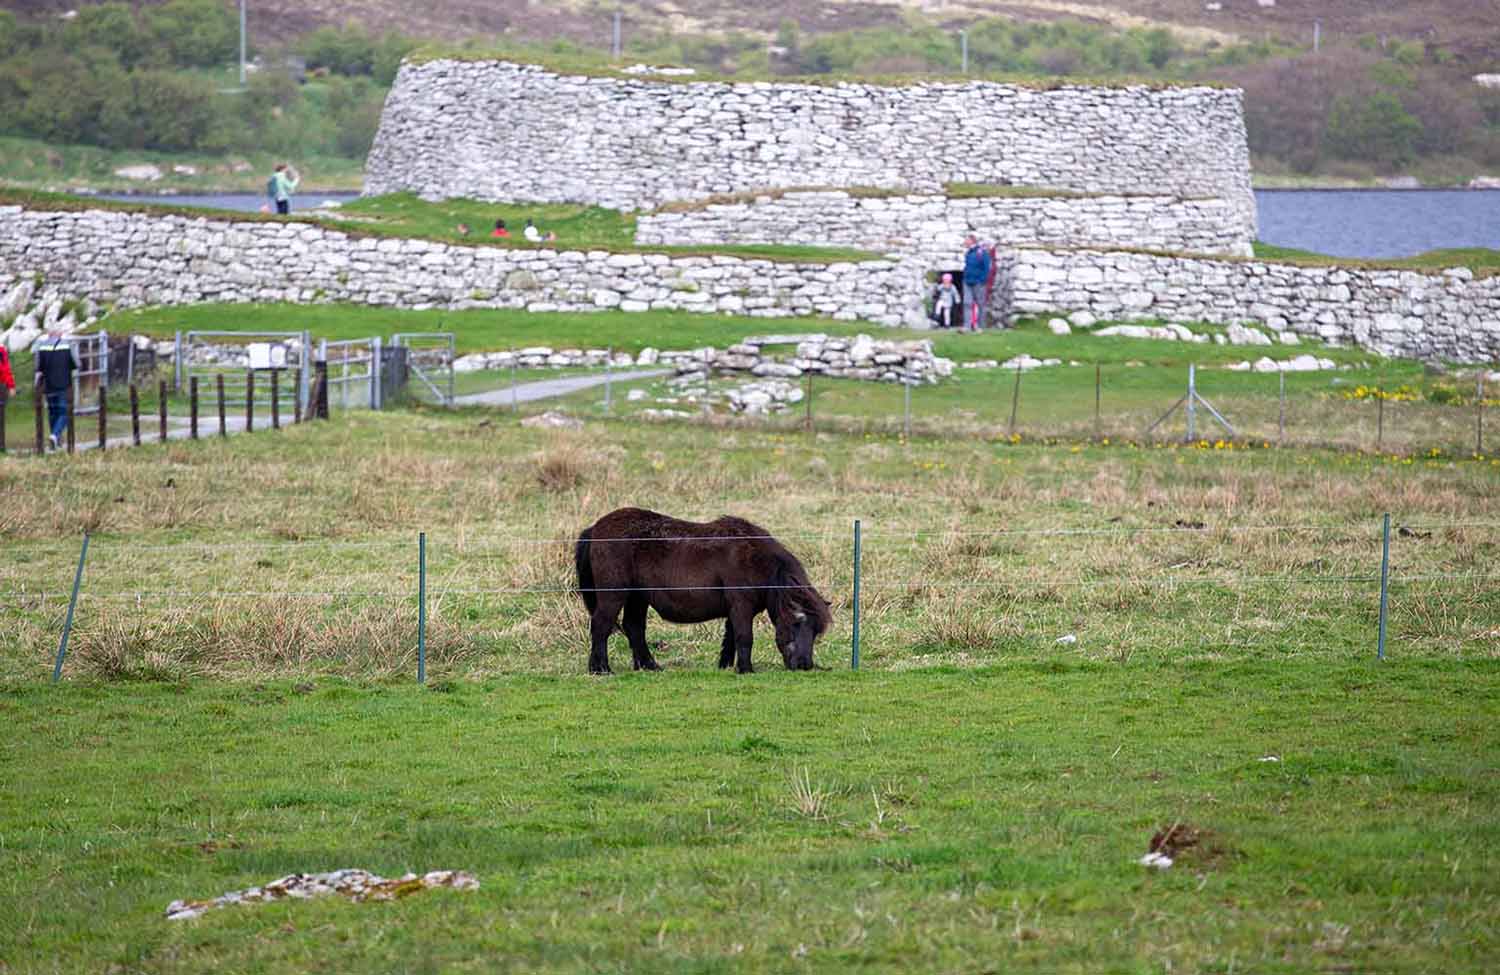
pixel 691 572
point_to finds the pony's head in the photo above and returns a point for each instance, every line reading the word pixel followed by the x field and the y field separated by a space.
pixel 800 614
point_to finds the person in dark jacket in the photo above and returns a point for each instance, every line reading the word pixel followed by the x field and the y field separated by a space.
pixel 56 361
pixel 977 264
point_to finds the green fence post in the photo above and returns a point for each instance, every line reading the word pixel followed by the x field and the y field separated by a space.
pixel 421 607
pixel 62 646
pixel 1385 573
pixel 854 646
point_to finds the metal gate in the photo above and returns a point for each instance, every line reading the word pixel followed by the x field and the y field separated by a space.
pixel 429 362
pixel 198 357
pixel 92 374
pixel 353 373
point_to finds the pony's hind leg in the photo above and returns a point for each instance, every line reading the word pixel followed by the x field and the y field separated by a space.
pixel 726 652
pixel 742 618
pixel 601 625
pixel 635 632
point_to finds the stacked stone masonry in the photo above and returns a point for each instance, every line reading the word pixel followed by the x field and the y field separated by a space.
pixel 1448 315
pixel 128 259
pixel 499 131
pixel 132 259
pixel 932 228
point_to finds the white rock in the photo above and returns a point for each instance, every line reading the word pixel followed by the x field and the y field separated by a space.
pixel 140 171
pixel 1058 326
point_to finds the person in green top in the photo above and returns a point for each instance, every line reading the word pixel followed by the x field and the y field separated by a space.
pixel 282 185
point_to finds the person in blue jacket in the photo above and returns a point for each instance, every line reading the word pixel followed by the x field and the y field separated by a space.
pixel 977 263
pixel 56 361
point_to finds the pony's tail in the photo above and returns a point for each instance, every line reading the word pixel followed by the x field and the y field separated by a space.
pixel 585 571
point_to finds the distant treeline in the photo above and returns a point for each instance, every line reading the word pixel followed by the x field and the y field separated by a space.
pixel 163 78
pixel 154 78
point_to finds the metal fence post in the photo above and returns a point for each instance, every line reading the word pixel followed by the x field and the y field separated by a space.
pixel 161 408
pixel 421 607
pixel 223 425
pixel 1379 420
pixel 4 397
pixel 906 425
pixel 1281 410
pixel 193 407
pixel 103 421
pixel 177 357
pixel 854 643
pixel 1098 401
pixel 609 376
pixel 1385 573
pixel 1015 402
pixel 62 646
pixel 1479 416
pixel 1192 396
pixel 72 413
pixel 37 400
pixel 275 399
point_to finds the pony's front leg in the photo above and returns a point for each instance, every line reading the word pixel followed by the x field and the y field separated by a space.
pixel 743 622
pixel 601 625
pixel 635 632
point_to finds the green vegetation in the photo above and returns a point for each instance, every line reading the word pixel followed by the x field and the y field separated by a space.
pixel 1140 377
pixel 239 704
pixel 700 822
pixel 159 80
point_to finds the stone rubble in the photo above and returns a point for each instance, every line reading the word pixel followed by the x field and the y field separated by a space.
pixel 357 885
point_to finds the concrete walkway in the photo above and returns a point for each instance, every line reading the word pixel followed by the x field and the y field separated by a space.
pixel 548 388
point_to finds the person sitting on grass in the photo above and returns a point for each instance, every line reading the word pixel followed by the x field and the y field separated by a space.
pixel 536 236
pixel 499 230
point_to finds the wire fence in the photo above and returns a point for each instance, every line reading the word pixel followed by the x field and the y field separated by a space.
pixel 1348 567
pixel 1077 401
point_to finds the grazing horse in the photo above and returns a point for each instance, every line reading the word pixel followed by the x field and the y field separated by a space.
pixel 690 572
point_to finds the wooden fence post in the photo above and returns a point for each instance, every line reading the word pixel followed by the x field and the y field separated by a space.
pixel 41 426
pixel 275 399
pixel 135 415
pixel 193 407
pixel 103 418
pixel 322 390
pixel 4 399
pixel 161 408
pixel 249 400
pixel 223 427
pixel 72 410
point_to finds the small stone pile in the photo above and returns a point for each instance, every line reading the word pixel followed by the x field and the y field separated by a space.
pixel 862 357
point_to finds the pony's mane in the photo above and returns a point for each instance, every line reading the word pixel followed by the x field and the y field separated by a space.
pixel 794 593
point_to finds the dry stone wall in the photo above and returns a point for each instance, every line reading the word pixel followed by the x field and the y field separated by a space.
pixel 1431 316
pixel 134 259
pixel 499 131
pixel 932 228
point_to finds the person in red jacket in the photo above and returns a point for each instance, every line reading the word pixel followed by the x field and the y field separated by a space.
pixel 7 385
pixel 6 379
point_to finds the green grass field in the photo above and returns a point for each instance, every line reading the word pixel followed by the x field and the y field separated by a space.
pixel 239 703
pixel 239 698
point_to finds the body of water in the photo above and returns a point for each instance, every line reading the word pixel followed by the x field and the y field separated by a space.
pixel 248 202
pixel 1343 223
pixel 1379 223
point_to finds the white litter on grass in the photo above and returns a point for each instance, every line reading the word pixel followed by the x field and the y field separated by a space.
pixel 1068 638
pixel 1157 861
pixel 1269 758
pixel 357 885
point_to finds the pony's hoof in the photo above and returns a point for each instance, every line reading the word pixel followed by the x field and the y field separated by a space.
pixel 601 672
pixel 744 670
